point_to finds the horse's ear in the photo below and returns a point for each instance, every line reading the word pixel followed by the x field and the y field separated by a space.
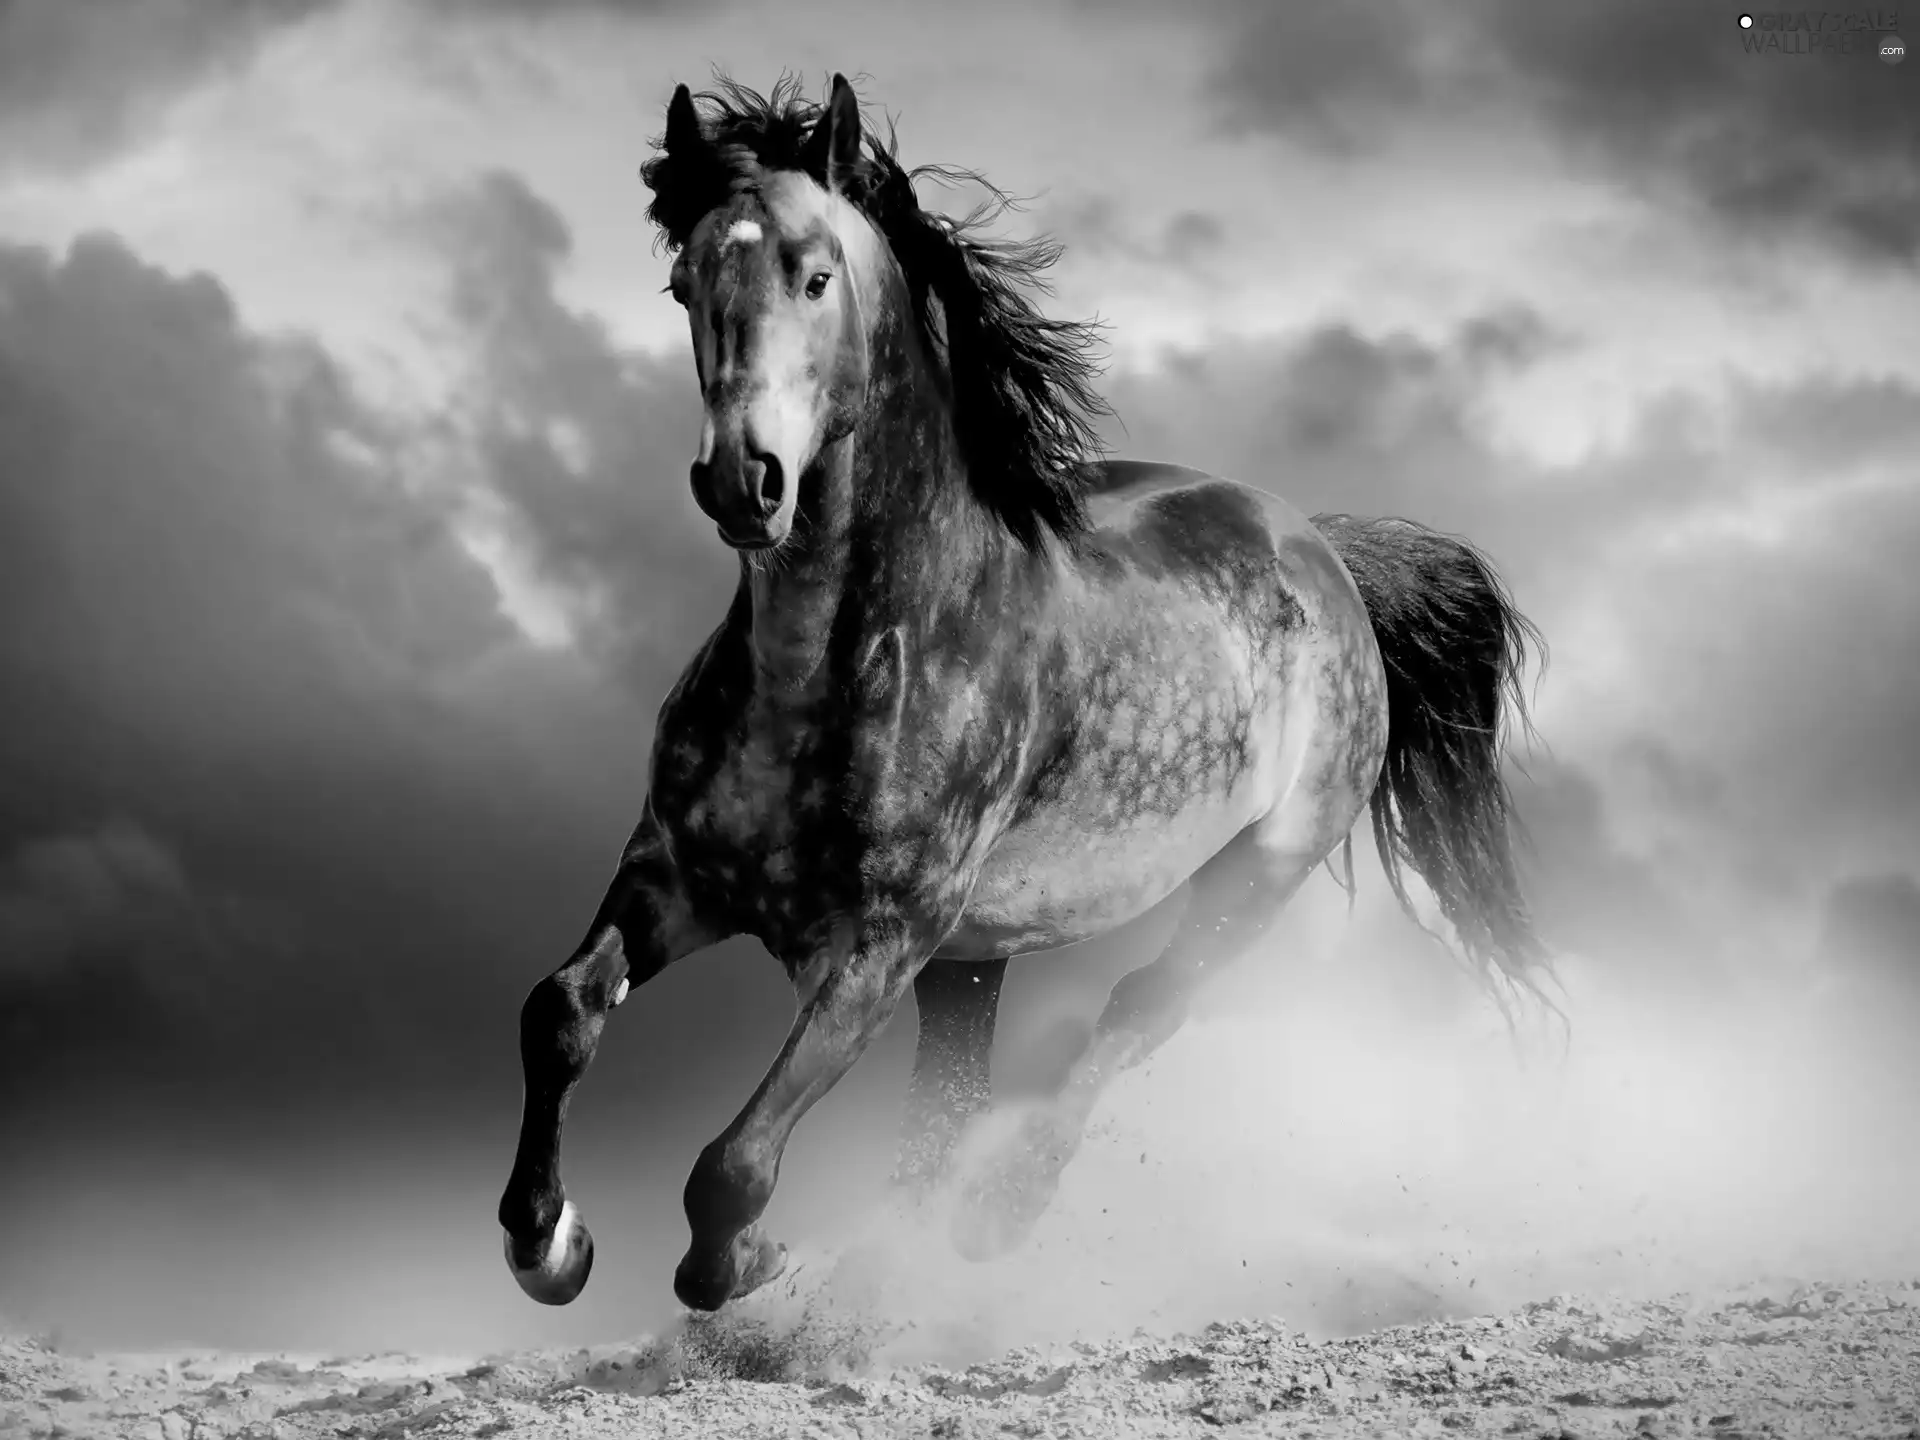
pixel 684 137
pixel 833 149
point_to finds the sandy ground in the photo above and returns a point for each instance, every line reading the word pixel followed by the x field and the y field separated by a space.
pixel 1780 1360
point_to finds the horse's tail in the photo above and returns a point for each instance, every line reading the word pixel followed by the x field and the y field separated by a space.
pixel 1452 643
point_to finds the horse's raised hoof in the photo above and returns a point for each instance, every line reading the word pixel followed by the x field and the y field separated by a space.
pixel 707 1279
pixel 554 1271
pixel 1005 1193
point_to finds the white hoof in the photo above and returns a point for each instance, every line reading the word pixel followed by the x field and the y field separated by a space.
pixel 558 1272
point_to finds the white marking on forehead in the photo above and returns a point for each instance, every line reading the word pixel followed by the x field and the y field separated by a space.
pixel 744 232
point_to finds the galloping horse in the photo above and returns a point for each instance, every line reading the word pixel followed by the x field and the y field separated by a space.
pixel 982 692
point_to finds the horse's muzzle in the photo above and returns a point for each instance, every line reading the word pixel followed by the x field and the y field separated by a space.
pixel 744 495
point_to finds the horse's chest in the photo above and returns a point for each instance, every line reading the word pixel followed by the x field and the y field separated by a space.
pixel 758 828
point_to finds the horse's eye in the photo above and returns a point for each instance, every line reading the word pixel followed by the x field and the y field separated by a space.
pixel 817 286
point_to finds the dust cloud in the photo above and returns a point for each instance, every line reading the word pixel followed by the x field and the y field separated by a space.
pixel 1348 1136
pixel 1345 1136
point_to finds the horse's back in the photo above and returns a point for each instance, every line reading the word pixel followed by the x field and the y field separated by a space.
pixel 1217 638
pixel 1187 519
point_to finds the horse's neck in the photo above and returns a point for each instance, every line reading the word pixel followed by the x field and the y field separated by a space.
pixel 916 539
pixel 926 546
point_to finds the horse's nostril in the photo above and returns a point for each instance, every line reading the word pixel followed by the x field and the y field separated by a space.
pixel 773 481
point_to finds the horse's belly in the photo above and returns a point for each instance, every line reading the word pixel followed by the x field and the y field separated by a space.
pixel 1072 873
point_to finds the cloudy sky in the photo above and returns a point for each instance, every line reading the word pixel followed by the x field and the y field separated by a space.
pixel 346 548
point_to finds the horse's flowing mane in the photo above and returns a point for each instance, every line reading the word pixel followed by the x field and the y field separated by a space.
pixel 1020 384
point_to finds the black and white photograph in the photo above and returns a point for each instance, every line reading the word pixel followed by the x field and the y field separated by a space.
pixel 869 718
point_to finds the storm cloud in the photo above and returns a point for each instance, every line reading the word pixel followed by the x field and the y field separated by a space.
pixel 1665 99
pixel 267 725
pixel 588 447
pixel 79 81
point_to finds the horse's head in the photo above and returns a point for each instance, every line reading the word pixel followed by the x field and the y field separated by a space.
pixel 776 279
pixel 822 296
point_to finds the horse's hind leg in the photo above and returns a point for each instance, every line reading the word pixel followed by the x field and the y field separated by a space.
pixel 958 1001
pixel 1236 896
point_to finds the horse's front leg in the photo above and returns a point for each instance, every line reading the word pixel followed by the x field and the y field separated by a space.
pixel 860 985
pixel 643 925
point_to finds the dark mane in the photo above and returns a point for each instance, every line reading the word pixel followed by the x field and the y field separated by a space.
pixel 1021 385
